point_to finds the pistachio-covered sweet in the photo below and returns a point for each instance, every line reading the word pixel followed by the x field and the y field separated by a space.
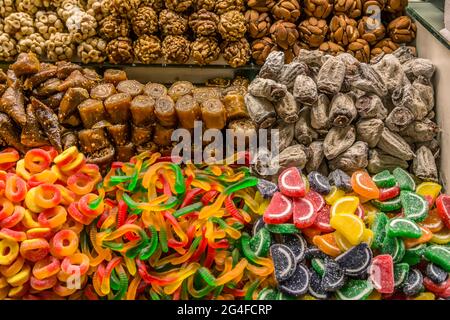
pixel 92 50
pixel 313 31
pixel 204 23
pixel 287 10
pixel 343 30
pixel 261 49
pixel 33 43
pixel 205 50
pixel 144 21
pixel 120 51
pixel 178 5
pixel 147 48
pixel 19 25
pixel 402 30
pixel 237 53
pixel 371 30
pixel 320 9
pixel 172 23
pixel 8 49
pixel 222 6
pixel 176 49
pixel 284 34
pixel 60 46
pixel 113 27
pixel 232 25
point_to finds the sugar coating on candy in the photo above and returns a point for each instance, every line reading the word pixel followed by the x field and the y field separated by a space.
pixel 334 277
pixel 318 266
pixel 291 183
pixel 266 188
pixel 395 247
pixel 314 252
pixel 400 227
pixel 401 271
pixel 319 183
pixel 315 286
pixel 258 225
pixel 340 179
pixel 355 290
pixel 415 207
pixel 279 209
pixel 260 243
pixel 298 283
pixel 283 261
pixel 297 244
pixel 435 273
pixel 413 283
pixel 356 260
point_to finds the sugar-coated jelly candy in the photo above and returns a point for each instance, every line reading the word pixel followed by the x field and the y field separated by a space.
pixel 291 183
pixel 438 288
pixel 401 271
pixel 384 179
pixel 355 261
pixel 279 209
pixel 382 273
pixel 340 179
pixel 389 205
pixel 435 273
pixel 415 207
pixel 266 188
pixel 283 261
pixel 316 199
pixel 327 244
pixel 414 255
pixel 315 286
pixel 389 193
pixel 333 278
pixel 378 228
pixel 402 227
pixel 297 244
pixel 318 266
pixel 395 247
pixel 258 225
pixel 282 228
pixel 347 204
pixel 298 283
pixel 439 255
pixel 364 186
pixel 441 237
pixel 426 236
pixel 322 221
pixel 443 207
pixel 334 195
pixel 314 252
pixel 355 290
pixel 319 183
pixel 431 189
pixel 260 243
pixel 350 226
pixel 433 221
pixel 404 179
pixel 304 213
pixel 413 283
pixel 267 294
pixel 342 242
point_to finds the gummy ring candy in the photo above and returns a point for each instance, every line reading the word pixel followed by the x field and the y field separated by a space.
pixel 64 243
pixel 47 196
pixel 37 160
pixel 43 284
pixel 52 152
pixel 16 188
pixel 53 217
pixel 9 250
pixel 34 249
pixel 6 208
pixel 46 176
pixel 35 233
pixel 10 270
pixel 8 158
pixel 46 267
pixel 14 218
pixel 30 201
pixel 13 235
pixel 75 213
pixel 21 277
pixel 80 183
pixel 83 205
pixel 77 263
pixel 21 171
pixel 67 196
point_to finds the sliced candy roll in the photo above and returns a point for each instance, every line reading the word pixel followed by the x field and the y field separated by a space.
pixel 382 274
pixel 316 199
pixel 291 183
pixel 401 271
pixel 315 286
pixel 319 183
pixel 439 255
pixel 355 290
pixel 322 221
pixel 304 213
pixel 443 208
pixel 413 283
pixel 260 243
pixel 283 261
pixel 279 209
pixel 298 283
pixel 435 273
pixel 401 227
pixel 415 207
pixel 384 179
pixel 266 188
pixel 404 179
pixel 355 261
pixel 333 277
pixel 341 180
pixel 297 244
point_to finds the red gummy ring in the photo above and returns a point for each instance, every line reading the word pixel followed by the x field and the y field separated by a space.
pixel 6 208
pixel 78 263
pixel 46 267
pixel 44 284
pixel 8 158
pixel 47 196
pixel 34 249
pixel 77 215
pixel 37 160
pixel 13 234
pixel 53 217
pixel 16 188
pixel 64 243
pixel 52 152
pixel 83 205
pixel 13 219
pixel 35 233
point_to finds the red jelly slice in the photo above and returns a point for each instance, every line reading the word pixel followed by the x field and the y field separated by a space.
pixel 443 207
pixel 291 183
pixel 434 287
pixel 389 193
pixel 304 213
pixel 322 221
pixel 317 200
pixel 382 273
pixel 279 209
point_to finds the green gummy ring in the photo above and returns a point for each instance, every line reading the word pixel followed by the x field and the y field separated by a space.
pixel 284 228
pixel 355 290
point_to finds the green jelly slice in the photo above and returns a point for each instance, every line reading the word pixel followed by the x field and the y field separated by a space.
pixel 384 179
pixel 355 290
pixel 401 227
pixel 401 271
pixel 414 255
pixel 379 229
pixel 415 207
pixel 389 205
pixel 267 294
pixel 318 265
pixel 404 179
pixel 439 255
pixel 283 228
pixel 260 243
pixel 395 247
